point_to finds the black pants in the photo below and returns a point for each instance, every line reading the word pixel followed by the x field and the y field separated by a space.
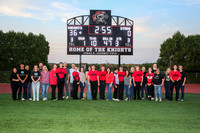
pixel 24 86
pixel 137 90
pixel 14 87
pixel 53 94
pixel 94 86
pixel 121 90
pixel 116 92
pixel 75 91
pixel 150 90
pixel 102 89
pixel 60 88
pixel 177 87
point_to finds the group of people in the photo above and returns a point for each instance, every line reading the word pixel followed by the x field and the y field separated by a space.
pixel 133 82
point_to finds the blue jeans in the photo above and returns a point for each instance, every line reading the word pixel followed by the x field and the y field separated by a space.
pixel 71 89
pixel 182 91
pixel 167 90
pixel 45 88
pixel 82 86
pixel 36 89
pixel 131 90
pixel 158 91
pixel 109 91
pixel 67 89
pixel 144 87
pixel 29 89
pixel 89 96
pixel 127 91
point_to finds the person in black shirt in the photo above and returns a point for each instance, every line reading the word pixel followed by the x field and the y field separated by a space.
pixel 144 84
pixel 14 83
pixel 158 82
pixel 28 81
pixel 35 76
pixel 22 76
pixel 167 84
pixel 182 81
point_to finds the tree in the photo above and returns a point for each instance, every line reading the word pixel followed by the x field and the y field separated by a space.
pixel 19 47
pixel 181 50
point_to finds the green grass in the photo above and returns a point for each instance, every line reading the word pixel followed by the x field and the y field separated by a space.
pixel 100 116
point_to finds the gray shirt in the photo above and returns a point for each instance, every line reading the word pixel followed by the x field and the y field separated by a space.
pixel 116 78
pixel 67 69
pixel 127 80
pixel 82 77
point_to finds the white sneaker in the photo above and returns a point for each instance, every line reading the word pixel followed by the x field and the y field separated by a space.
pixel 63 97
pixel 160 100
pixel 54 99
pixel 33 99
pixel 30 99
pixel 23 99
pixel 126 99
pixel 37 99
pixel 46 99
pixel 67 97
pixel 152 98
pixel 43 99
pixel 156 99
pixel 116 99
pixel 182 100
pixel 143 98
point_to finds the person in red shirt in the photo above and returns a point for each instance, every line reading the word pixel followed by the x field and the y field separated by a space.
pixel 61 74
pixel 109 82
pixel 121 75
pixel 102 83
pixel 76 80
pixel 53 82
pixel 150 86
pixel 93 77
pixel 137 81
pixel 175 76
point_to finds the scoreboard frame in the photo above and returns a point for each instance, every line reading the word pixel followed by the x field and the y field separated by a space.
pixel 116 21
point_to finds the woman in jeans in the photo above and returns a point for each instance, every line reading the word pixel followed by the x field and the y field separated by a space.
pixel 127 84
pixel 109 82
pixel 35 76
pixel 158 81
pixel 82 82
pixel 89 96
pixel 167 84
pixel 132 70
pixel 53 82
pixel 45 76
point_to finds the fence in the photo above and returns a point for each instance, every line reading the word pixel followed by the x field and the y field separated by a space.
pixel 192 78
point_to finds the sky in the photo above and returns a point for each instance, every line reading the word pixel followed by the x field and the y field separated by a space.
pixel 154 22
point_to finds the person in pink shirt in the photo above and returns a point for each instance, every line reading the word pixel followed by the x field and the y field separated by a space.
pixel 45 82
pixel 53 82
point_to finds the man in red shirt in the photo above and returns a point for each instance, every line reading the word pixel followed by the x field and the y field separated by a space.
pixel 75 75
pixel 150 86
pixel 175 76
pixel 102 83
pixel 93 77
pixel 61 74
pixel 137 81
pixel 121 75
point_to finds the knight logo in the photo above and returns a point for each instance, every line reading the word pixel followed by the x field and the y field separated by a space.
pixel 100 17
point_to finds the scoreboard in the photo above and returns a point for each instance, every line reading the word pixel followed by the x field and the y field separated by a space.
pixel 100 37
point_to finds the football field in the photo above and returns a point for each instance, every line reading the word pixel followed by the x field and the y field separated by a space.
pixel 69 116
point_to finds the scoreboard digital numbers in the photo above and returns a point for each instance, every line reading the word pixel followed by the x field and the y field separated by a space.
pixel 100 37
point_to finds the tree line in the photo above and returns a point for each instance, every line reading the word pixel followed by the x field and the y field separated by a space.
pixel 16 47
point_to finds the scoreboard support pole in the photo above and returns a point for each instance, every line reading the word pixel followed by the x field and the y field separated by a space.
pixel 80 62
pixel 119 60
